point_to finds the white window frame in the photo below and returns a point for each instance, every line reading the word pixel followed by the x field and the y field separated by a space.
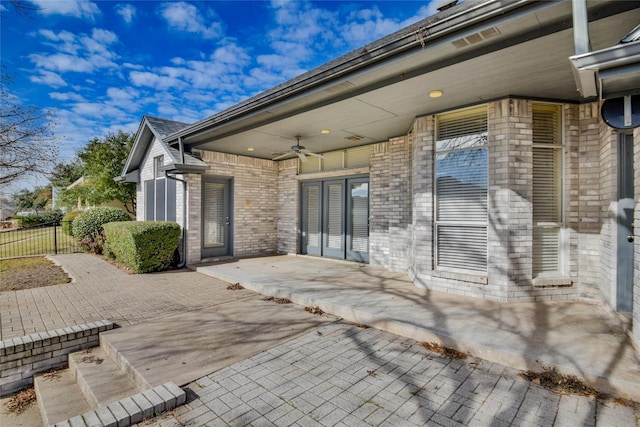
pixel 471 224
pixel 560 225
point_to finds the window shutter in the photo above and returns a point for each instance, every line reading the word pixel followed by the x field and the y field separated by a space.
pixel 149 200
pixel 461 190
pixel 160 199
pixel 171 200
pixel 547 189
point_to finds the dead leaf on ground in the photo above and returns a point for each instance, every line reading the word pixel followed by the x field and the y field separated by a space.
pixel 444 351
pixel 235 287
pixel 19 402
pixel 278 300
pixel 314 310
pixel 556 382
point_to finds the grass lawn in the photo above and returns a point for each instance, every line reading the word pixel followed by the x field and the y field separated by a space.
pixel 36 241
pixel 27 273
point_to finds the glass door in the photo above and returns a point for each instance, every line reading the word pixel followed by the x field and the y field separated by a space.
pixel 216 218
pixel 358 219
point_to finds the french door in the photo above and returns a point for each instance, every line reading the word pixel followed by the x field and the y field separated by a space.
pixel 335 218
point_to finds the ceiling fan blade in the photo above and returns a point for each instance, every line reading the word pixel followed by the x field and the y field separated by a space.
pixel 282 156
pixel 309 153
pixel 302 156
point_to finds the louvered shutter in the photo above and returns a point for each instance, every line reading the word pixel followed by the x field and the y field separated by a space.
pixel 461 190
pixel 149 200
pixel 547 189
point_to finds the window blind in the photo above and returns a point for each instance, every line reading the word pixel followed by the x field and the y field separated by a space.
pixel 359 217
pixel 214 215
pixel 461 172
pixel 547 189
pixel 334 216
pixel 313 216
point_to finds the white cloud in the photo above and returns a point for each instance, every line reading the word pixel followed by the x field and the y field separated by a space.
pixel 48 78
pixel 76 8
pixel 186 17
pixel 76 53
pixel 126 11
pixel 156 81
pixel 67 96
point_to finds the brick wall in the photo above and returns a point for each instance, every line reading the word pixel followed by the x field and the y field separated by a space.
pixel 23 357
pixel 288 207
pixel 255 201
pixel 390 204
pixel 606 200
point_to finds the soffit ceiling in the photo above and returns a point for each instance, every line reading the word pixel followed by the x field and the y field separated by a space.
pixel 517 58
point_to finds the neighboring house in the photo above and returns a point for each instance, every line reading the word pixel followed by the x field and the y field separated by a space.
pixel 459 150
pixel 7 209
pixel 83 203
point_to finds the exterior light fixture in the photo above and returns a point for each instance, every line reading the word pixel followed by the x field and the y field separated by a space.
pixel 435 94
pixel 325 131
pixel 250 149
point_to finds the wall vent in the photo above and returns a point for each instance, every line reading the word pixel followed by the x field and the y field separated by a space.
pixel 476 38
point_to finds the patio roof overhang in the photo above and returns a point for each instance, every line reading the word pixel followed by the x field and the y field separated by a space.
pixel 474 52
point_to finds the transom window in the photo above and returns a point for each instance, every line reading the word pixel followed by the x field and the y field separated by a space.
pixel 461 176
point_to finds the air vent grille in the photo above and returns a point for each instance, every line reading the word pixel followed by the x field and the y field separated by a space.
pixel 476 38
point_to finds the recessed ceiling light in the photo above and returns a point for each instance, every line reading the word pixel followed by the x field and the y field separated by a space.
pixel 250 149
pixel 435 94
pixel 325 131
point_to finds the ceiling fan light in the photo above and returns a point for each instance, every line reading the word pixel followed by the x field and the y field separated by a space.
pixel 353 138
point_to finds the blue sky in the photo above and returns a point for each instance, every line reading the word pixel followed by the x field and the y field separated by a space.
pixel 99 66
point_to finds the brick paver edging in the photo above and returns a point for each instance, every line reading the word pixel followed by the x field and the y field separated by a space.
pixel 131 410
pixel 23 357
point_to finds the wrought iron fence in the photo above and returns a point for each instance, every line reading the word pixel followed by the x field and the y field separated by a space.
pixel 42 239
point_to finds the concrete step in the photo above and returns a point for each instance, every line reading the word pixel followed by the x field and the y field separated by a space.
pixel 59 396
pixel 99 378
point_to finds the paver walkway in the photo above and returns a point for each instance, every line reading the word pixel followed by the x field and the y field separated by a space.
pixel 339 374
pixel 343 375
pixel 102 291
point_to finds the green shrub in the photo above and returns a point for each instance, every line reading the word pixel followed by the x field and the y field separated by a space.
pixel 142 246
pixel 87 226
pixel 67 220
pixel 49 217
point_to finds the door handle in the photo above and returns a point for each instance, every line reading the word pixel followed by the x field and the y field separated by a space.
pixel 630 238
pixel 227 221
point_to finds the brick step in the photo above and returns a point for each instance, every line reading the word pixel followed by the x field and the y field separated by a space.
pixel 99 378
pixel 58 396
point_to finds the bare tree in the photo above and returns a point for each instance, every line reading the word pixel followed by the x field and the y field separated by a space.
pixel 27 143
pixel 24 8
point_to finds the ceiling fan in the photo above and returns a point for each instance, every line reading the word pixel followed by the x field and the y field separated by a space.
pixel 299 151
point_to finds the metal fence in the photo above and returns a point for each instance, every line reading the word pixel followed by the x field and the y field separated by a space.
pixel 42 239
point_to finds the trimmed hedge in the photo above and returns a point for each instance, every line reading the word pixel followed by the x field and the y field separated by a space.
pixel 67 220
pixel 89 223
pixel 142 246
pixel 49 217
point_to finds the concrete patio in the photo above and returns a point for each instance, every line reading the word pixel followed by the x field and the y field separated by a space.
pixel 579 338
